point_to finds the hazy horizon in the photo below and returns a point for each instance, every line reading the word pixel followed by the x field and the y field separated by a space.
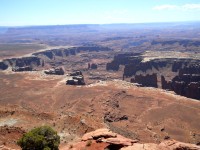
pixel 66 12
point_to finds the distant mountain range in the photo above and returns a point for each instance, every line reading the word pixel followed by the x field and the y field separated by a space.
pixel 98 27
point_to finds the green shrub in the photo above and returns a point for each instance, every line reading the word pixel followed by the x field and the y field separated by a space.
pixel 41 138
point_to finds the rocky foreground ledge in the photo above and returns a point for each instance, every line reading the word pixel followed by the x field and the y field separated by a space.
pixel 104 139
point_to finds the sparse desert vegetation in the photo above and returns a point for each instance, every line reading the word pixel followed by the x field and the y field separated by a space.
pixel 103 81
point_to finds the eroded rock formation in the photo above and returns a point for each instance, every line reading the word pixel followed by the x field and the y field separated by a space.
pixel 22 63
pixel 146 80
pixel 165 84
pixel 77 78
pixel 19 69
pixel 64 52
pixel 124 59
pixel 186 85
pixel 38 58
pixel 102 139
pixel 55 71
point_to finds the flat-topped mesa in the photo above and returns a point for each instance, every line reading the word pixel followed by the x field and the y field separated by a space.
pixel 21 64
pixel 132 69
pixel 39 58
pixel 124 59
pixel 135 62
pixel 64 52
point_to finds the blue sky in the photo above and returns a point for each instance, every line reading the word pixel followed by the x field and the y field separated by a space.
pixel 58 12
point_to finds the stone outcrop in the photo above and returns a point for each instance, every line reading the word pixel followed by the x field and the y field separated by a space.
pixel 102 139
pixel 77 78
pixel 113 140
pixel 146 80
pixel 165 145
pixel 124 59
pixel 133 63
pixel 76 73
pixel 23 63
pixel 113 117
pixel 193 90
pixel 132 69
pixel 19 69
pixel 165 84
pixel 186 85
pixel 55 71
pixel 105 133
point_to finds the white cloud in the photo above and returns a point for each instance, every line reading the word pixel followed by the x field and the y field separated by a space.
pixel 191 6
pixel 178 7
pixel 161 7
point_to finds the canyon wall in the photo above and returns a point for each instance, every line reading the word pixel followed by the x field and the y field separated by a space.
pixel 184 73
pixel 39 58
